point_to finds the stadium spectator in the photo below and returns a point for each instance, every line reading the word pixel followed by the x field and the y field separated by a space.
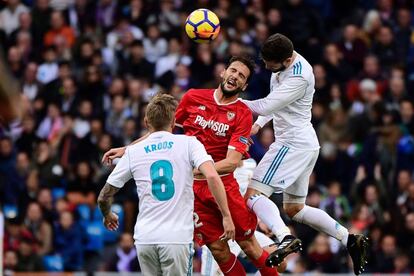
pixel 59 31
pixel 155 46
pixel 68 242
pixel 41 21
pixel 48 70
pixel 82 189
pixel 15 233
pixel 15 59
pixel 39 228
pixel 9 16
pixel 10 262
pixel 335 204
pixel 388 251
pixel 134 62
pixel 352 47
pixel 124 259
pixel 321 255
pixel 30 85
pixel 28 259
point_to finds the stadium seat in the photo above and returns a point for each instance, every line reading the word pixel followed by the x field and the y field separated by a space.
pixel 58 193
pixel 94 234
pixel 112 236
pixel 84 212
pixel 10 211
pixel 53 263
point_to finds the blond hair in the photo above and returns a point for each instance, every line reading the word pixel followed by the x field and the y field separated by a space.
pixel 160 111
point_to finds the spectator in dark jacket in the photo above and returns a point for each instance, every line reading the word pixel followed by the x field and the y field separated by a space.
pixel 28 259
pixel 68 242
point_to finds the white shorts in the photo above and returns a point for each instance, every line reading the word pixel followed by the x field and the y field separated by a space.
pixel 209 266
pixel 286 170
pixel 165 259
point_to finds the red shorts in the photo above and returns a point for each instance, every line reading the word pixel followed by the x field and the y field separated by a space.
pixel 208 222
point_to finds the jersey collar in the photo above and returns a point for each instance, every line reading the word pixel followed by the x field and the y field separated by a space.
pixel 217 102
pixel 159 133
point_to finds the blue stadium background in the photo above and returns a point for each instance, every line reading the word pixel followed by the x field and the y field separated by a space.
pixel 88 68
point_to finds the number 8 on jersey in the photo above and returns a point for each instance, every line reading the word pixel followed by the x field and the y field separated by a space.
pixel 161 176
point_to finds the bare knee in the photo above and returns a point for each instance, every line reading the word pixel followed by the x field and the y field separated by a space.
pixel 251 248
pixel 292 209
pixel 220 251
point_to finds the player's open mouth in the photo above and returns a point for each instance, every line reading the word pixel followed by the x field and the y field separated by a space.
pixel 231 83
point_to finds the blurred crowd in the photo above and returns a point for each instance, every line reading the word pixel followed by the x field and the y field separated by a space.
pixel 88 68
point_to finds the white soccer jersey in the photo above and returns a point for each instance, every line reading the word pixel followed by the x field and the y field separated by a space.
pixel 289 103
pixel 162 167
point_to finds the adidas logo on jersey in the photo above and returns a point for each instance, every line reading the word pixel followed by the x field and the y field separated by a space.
pixel 202 107
pixel 219 128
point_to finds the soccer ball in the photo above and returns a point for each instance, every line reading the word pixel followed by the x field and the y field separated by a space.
pixel 202 26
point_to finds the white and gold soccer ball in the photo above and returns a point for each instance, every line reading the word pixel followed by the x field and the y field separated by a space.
pixel 202 26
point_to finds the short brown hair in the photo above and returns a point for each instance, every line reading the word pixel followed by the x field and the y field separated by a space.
pixel 246 60
pixel 160 111
pixel 277 48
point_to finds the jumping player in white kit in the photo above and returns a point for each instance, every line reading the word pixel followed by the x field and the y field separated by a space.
pixel 162 166
pixel 288 164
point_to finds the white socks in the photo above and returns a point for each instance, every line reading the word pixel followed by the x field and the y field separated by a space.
pixel 321 221
pixel 269 214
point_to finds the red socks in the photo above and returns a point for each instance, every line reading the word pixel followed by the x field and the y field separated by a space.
pixel 233 267
pixel 261 265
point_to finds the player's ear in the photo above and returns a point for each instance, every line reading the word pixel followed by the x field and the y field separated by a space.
pixel 244 87
pixel 173 124
pixel 146 122
pixel 287 61
pixel 222 74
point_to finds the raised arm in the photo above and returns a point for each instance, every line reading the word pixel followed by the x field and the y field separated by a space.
pixel 180 115
pixel 260 122
pixel 285 94
pixel 114 153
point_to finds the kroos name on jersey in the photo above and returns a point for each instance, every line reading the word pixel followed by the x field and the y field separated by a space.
pixel 219 128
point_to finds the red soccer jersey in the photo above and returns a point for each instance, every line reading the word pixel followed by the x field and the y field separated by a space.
pixel 218 127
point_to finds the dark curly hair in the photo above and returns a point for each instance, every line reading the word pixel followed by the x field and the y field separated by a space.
pixel 277 48
pixel 246 60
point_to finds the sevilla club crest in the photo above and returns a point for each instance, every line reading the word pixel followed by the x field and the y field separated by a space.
pixel 230 115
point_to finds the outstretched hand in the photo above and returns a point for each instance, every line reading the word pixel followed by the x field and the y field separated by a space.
pixel 111 154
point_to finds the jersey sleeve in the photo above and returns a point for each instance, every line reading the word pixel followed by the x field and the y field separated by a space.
pixel 291 90
pixel 122 172
pixel 262 120
pixel 240 137
pixel 197 152
pixel 181 112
